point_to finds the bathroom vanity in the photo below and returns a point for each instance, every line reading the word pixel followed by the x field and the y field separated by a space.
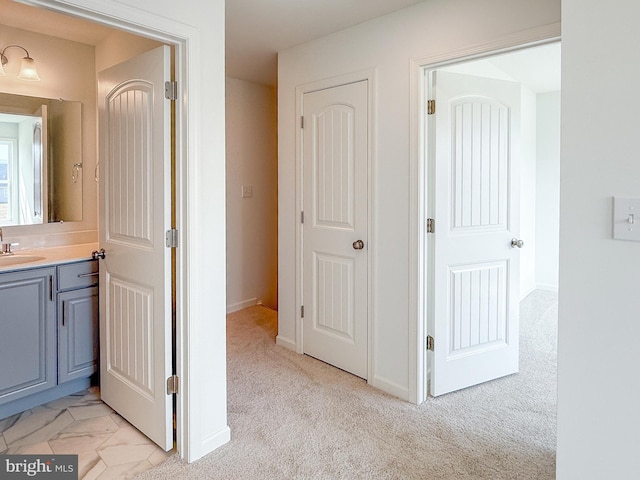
pixel 48 325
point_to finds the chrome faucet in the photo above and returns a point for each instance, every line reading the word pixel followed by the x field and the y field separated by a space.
pixel 5 246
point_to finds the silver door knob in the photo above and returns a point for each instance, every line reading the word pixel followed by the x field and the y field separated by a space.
pixel 98 254
pixel 358 245
pixel 516 243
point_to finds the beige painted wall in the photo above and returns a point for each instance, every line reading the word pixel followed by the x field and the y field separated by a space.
pixel 252 223
pixel 120 46
pixel 67 71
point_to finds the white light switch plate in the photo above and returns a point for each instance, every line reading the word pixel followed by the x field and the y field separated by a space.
pixel 626 219
pixel 247 191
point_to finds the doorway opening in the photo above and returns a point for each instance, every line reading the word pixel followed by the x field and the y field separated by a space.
pixel 470 303
pixel 126 42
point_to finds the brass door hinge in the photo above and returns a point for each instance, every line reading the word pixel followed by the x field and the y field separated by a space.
pixel 431 107
pixel 430 343
pixel 431 225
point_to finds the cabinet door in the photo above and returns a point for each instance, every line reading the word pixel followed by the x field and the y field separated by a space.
pixel 77 334
pixel 28 335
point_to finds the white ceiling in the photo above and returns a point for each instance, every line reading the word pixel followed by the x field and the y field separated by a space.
pixel 537 68
pixel 257 29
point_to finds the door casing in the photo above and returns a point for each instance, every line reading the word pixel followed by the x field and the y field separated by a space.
pixel 369 76
pixel 186 43
pixel 421 205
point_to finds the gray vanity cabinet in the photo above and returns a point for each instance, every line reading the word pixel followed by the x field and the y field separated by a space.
pixel 77 320
pixel 48 333
pixel 28 335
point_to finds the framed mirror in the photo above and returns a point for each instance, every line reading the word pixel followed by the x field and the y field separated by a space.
pixel 40 160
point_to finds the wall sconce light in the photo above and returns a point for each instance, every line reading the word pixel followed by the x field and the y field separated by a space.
pixel 28 68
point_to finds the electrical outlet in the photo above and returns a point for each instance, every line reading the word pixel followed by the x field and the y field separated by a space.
pixel 247 191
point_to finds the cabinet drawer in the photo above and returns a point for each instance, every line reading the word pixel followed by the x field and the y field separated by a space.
pixel 77 275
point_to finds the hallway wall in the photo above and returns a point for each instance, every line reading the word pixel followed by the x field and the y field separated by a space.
pixel 547 190
pixel 599 327
pixel 252 222
pixel 387 45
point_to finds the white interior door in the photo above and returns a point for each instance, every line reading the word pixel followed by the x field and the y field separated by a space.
pixel 476 210
pixel 135 275
pixel 335 228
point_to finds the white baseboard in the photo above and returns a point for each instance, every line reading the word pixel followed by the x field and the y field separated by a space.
pixel 234 307
pixel 547 288
pixel 209 444
pixel 390 387
pixel 286 342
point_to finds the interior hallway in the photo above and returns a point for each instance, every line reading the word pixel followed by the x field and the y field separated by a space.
pixel 295 417
pixel 292 416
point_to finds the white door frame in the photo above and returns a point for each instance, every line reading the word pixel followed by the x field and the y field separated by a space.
pixel 369 76
pixel 421 205
pixel 186 42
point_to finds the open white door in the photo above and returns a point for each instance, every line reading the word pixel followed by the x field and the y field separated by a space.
pixel 135 213
pixel 335 227
pixel 476 210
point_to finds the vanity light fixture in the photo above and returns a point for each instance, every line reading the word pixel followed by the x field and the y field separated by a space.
pixel 27 69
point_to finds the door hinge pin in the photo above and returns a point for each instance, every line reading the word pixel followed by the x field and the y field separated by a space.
pixel 172 238
pixel 302 217
pixel 171 90
pixel 302 311
pixel 430 343
pixel 431 225
pixel 172 385
pixel 301 121
pixel 431 107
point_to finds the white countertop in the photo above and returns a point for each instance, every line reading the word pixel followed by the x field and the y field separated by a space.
pixel 51 256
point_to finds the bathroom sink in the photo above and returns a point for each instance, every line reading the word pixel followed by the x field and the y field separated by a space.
pixel 17 259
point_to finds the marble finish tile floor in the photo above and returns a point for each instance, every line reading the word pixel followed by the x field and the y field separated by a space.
pixel 108 447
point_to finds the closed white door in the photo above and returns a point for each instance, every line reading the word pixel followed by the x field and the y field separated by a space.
pixel 335 199
pixel 475 267
pixel 135 275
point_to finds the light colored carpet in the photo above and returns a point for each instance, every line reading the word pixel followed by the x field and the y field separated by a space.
pixel 293 417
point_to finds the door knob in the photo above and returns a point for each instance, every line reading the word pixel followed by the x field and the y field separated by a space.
pixel 516 243
pixel 98 254
pixel 358 245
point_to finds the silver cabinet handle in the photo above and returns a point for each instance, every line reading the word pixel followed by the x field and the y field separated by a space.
pixel 83 275
pixel 358 245
pixel 516 243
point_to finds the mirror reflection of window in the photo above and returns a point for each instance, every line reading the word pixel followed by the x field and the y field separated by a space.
pixel 44 185
pixel 18 179
pixel 7 166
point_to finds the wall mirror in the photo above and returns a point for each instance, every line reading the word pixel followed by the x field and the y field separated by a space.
pixel 40 160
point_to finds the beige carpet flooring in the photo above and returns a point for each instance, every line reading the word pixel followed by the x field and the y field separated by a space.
pixel 293 417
